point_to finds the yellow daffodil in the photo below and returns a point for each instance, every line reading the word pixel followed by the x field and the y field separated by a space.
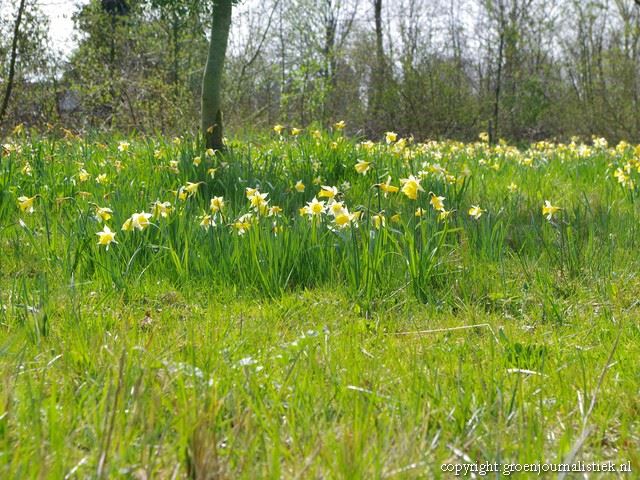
pixel 336 208
pixel 106 237
pixel 197 161
pixel 296 131
pixel 299 186
pixel 379 221
pixel 258 201
pixel 343 219
pixel 103 214
pixel 139 221
pixel 102 179
pixel 419 212
pixel 123 147
pixel 513 188
pixel 161 209
pixel 192 188
pixel 328 192
pixel 243 224
pixel 476 212
pixel 367 145
pixel 83 175
pixel 278 129
pixel 437 202
pixel 443 215
pixel 396 218
pixel 387 187
pixel 339 125
pixel 206 221
pixel 362 167
pixel 411 187
pixel 315 207
pixel 26 203
pixel 216 204
pixel 390 137
pixel 275 211
pixel 549 210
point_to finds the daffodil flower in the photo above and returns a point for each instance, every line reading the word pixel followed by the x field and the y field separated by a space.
pixel 437 202
pixel 139 221
pixel 362 167
pixel 83 175
pixel 216 204
pixel 192 188
pixel 328 192
pixel 103 214
pixel 275 211
pixel 443 215
pixel 336 208
pixel 476 212
pixel 379 221
pixel 106 237
pixel 387 187
pixel 315 207
pixel 411 187
pixel 206 221
pixel 161 209
pixel 26 203
pixel 549 210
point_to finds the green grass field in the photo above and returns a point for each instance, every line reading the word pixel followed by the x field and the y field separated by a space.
pixel 310 306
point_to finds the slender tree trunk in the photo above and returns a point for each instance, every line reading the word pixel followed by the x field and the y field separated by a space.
pixel 175 40
pixel 494 133
pixel 212 81
pixel 379 74
pixel 12 64
pixel 329 73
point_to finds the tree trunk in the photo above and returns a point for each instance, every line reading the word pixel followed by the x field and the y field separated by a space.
pixel 12 64
pixel 212 81
pixel 379 73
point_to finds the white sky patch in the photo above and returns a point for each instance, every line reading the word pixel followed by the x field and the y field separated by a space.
pixel 60 22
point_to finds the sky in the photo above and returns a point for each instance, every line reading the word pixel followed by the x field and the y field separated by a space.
pixel 61 24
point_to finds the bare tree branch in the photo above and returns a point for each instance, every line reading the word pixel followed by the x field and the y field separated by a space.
pixel 12 65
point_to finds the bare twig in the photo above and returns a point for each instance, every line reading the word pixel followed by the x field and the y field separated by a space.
pixel 12 62
pixel 451 329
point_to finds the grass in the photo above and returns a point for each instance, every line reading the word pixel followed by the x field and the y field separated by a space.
pixel 301 349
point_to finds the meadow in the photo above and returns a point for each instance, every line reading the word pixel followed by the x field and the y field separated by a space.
pixel 311 305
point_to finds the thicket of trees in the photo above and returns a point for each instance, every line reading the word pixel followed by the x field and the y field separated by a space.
pixel 519 69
